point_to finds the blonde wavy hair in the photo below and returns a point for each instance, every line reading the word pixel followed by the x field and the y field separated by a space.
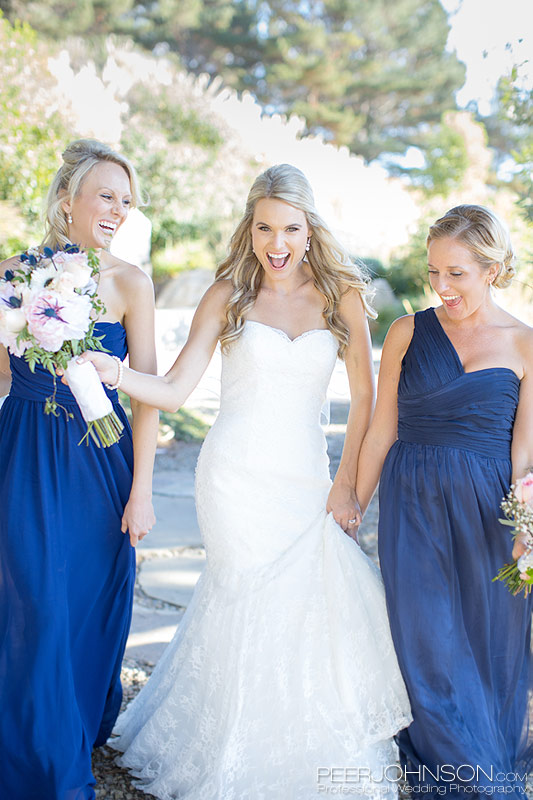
pixel 334 272
pixel 484 234
pixel 78 159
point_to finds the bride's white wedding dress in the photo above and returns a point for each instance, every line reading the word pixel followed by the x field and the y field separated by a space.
pixel 283 666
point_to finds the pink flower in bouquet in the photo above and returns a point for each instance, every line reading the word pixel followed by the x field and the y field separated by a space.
pixel 46 305
pixel 523 489
pixel 77 315
pixel 76 265
pixel 45 320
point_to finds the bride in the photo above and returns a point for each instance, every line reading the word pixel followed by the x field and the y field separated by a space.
pixel 281 683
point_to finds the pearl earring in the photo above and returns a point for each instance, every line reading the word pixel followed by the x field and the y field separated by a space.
pixel 69 219
pixel 308 245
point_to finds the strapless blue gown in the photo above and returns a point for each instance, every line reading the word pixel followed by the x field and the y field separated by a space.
pixel 463 642
pixel 66 586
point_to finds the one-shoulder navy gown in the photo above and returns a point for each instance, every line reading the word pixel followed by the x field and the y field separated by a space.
pixel 66 585
pixel 462 641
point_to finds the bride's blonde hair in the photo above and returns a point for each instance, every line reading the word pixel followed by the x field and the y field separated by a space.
pixel 334 272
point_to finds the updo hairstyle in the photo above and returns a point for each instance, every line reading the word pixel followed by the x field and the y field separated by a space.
pixel 78 159
pixel 483 234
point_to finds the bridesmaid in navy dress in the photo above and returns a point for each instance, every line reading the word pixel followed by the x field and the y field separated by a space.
pixel 67 568
pixel 453 427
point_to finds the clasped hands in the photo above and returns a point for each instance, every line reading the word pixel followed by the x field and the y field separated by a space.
pixel 104 364
pixel 343 504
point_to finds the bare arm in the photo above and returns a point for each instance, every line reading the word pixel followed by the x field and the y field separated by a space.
pixel 342 501
pixel 5 370
pixel 138 517
pixel 169 392
pixel 382 432
pixel 522 444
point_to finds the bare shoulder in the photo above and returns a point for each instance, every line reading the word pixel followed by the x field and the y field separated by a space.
pixel 9 263
pixel 523 337
pixel 351 307
pixel 130 275
pixel 210 316
pixel 217 295
pixel 400 334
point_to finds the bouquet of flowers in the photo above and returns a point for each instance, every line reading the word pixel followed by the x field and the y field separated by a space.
pixel 48 307
pixel 518 509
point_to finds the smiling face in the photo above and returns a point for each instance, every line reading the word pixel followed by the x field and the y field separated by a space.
pixel 100 207
pixel 279 236
pixel 459 280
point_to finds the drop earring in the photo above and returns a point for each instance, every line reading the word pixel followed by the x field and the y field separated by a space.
pixel 69 219
pixel 308 245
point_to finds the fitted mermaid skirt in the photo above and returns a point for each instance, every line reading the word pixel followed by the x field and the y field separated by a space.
pixel 283 667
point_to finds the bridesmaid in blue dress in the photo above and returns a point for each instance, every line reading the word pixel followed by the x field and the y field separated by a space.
pixel 453 427
pixel 67 568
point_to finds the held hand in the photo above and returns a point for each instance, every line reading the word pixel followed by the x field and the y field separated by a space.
pixel 138 519
pixel 519 547
pixel 342 502
pixel 106 366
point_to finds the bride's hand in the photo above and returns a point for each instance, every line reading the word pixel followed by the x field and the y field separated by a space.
pixel 520 547
pixel 106 366
pixel 343 504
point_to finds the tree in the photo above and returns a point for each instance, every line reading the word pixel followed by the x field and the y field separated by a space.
pixel 369 74
pixel 32 131
pixel 516 110
pixel 60 18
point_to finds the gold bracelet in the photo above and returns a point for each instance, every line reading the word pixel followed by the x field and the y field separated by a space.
pixel 119 376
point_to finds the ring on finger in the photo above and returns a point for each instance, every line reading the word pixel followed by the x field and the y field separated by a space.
pixel 352 521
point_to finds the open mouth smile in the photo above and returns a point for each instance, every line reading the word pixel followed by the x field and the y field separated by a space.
pixel 107 227
pixel 452 300
pixel 278 260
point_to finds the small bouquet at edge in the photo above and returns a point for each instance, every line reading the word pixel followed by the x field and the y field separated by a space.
pixel 518 509
pixel 48 307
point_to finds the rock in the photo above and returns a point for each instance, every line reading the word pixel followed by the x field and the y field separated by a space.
pixel 384 297
pixel 186 289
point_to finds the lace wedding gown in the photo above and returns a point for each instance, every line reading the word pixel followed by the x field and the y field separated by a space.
pixel 283 666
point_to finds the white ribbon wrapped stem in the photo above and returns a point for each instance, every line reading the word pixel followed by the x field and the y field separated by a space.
pixel 87 388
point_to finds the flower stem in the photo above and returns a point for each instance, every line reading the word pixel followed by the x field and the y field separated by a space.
pixel 105 431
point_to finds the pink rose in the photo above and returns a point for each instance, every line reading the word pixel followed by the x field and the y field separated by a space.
pixel 523 490
pixel 78 267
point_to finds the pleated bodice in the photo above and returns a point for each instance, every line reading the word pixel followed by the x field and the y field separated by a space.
pixel 441 404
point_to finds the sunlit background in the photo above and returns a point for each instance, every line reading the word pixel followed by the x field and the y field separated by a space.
pixel 395 110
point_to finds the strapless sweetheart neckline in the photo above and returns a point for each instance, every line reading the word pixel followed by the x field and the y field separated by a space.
pixel 286 335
